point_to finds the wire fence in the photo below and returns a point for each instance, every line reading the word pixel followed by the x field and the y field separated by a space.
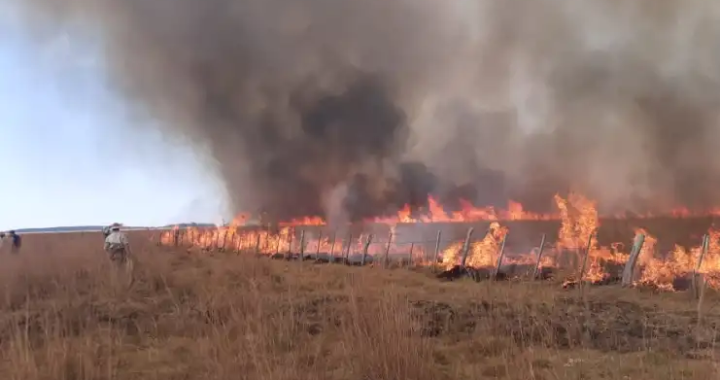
pixel 486 249
pixel 480 248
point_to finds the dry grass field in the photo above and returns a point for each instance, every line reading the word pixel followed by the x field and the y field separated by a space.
pixel 192 315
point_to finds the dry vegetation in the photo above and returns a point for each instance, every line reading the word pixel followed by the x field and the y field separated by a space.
pixel 222 316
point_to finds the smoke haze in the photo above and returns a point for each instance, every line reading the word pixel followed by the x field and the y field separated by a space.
pixel 352 108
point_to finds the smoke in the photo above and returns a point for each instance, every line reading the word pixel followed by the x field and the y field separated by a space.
pixel 354 108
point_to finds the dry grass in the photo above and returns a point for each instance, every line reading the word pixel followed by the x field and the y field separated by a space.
pixel 222 316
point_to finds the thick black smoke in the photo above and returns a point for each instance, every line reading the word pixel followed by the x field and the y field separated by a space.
pixel 354 108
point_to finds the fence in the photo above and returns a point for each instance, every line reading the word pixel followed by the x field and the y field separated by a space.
pixel 487 250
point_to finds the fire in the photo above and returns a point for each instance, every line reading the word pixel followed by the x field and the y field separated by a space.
pixel 576 242
pixel 575 207
pixel 435 213
pixel 451 255
pixel 486 252
pixel 579 218
pixel 306 221
pixel 711 260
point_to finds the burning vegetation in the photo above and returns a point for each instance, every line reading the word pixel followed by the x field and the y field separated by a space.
pixel 580 245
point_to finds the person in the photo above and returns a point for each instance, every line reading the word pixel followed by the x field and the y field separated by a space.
pixel 117 245
pixel 15 241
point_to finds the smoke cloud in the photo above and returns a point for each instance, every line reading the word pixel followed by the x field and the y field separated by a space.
pixel 354 108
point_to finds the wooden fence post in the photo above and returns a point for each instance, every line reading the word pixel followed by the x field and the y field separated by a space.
pixel 437 250
pixel 267 239
pixel 365 250
pixel 331 257
pixel 257 244
pixel 410 260
pixel 387 250
pixel 302 245
pixel 584 262
pixel 290 241
pixel 539 257
pixel 319 240
pixel 629 270
pixel 466 247
pixel 225 242
pixel 347 249
pixel 697 279
pixel 501 256
pixel 235 244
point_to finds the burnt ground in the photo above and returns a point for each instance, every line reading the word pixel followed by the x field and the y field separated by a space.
pixel 568 324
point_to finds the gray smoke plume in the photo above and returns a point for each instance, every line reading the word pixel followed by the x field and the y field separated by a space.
pixel 354 108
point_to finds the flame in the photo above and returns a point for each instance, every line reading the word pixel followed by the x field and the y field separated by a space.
pixel 486 252
pixel 661 272
pixel 581 211
pixel 579 221
pixel 435 213
pixel 711 261
pixel 306 221
pixel 451 255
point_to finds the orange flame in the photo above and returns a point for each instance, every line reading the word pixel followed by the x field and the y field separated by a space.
pixel 579 221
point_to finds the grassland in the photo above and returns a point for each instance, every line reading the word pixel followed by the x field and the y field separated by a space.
pixel 193 315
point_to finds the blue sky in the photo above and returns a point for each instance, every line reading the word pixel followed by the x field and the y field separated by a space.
pixel 71 155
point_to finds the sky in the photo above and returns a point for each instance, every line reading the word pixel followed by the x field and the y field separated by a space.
pixel 72 155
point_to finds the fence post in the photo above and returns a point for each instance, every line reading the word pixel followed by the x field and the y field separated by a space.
pixel 365 250
pixel 697 280
pixel 410 260
pixel 257 243
pixel 629 270
pixel 225 243
pixel 437 250
pixel 235 243
pixel 331 257
pixel 502 255
pixel 584 262
pixel 539 257
pixel 466 247
pixel 387 250
pixel 302 245
pixel 290 241
pixel 319 243
pixel 347 249
pixel 267 237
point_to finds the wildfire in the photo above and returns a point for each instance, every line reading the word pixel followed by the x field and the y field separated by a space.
pixel 576 207
pixel 485 253
pixel 576 243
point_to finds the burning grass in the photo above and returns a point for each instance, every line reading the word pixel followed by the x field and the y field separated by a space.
pixel 228 316
pixel 576 241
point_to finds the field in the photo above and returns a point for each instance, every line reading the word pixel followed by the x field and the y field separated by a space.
pixel 194 315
